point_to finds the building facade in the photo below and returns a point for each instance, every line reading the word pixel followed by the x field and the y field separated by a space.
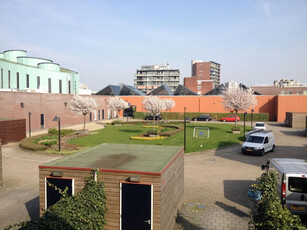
pixel 20 72
pixel 150 77
pixel 204 77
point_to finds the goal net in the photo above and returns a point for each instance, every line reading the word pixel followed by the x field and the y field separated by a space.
pixel 201 132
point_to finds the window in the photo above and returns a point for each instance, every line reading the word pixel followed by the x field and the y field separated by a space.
pixel 282 92
pixel 1 78
pixel 69 87
pixel 98 114
pixel 9 80
pixel 28 81
pixel 17 80
pixel 60 86
pixel 298 184
pixel 49 85
pixel 38 82
pixel 198 87
pixel 198 92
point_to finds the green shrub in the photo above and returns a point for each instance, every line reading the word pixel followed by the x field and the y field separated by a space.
pixel 116 122
pixel 86 210
pixel 236 128
pixel 64 132
pixel 153 132
pixel 269 212
pixel 28 143
pixel 49 143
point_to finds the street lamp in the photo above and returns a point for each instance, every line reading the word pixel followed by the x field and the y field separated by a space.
pixel 244 124
pixel 252 118
pixel 56 118
pixel 184 129
pixel 30 123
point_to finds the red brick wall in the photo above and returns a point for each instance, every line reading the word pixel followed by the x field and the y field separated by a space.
pixel 12 130
pixel 50 105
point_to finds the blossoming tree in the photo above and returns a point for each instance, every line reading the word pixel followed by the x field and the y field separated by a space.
pixel 239 99
pixel 118 104
pixel 153 105
pixel 83 105
pixel 168 103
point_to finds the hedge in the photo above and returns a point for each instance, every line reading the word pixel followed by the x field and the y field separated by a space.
pixel 269 213
pixel 64 132
pixel 215 116
pixel 28 143
pixel 86 210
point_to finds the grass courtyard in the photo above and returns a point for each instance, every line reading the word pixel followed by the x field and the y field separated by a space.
pixel 220 135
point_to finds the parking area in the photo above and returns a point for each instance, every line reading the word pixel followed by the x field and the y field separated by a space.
pixel 216 182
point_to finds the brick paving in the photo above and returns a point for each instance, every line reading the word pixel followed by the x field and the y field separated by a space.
pixel 217 181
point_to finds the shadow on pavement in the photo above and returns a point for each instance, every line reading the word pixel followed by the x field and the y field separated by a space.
pixel 33 208
pixel 298 133
pixel 236 191
pixel 185 224
pixel 231 209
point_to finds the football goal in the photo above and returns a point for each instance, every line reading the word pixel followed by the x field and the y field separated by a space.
pixel 201 132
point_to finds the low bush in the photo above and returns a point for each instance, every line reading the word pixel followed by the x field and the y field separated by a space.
pixel 153 132
pixel 28 143
pixel 116 122
pixel 49 143
pixel 269 212
pixel 86 210
pixel 236 128
pixel 64 132
pixel 175 130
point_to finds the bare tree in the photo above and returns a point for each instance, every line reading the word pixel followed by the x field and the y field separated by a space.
pixel 153 105
pixel 118 104
pixel 168 103
pixel 239 99
pixel 83 105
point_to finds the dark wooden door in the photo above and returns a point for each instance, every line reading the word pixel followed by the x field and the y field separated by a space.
pixel 53 195
pixel 136 207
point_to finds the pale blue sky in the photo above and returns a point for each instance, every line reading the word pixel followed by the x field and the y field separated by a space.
pixel 256 41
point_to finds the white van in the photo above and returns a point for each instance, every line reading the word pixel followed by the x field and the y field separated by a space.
pixel 291 182
pixel 259 142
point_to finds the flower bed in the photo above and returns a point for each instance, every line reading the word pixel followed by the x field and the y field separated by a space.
pixel 148 138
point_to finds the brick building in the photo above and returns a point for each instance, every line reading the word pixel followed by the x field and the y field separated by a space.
pixel 204 77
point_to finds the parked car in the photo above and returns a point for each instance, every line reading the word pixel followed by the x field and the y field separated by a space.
pixel 259 142
pixel 150 117
pixel 230 118
pixel 291 182
pixel 260 126
pixel 204 117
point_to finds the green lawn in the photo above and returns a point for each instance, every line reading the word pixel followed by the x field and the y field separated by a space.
pixel 220 135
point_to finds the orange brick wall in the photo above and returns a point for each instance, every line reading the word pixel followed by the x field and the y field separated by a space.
pixel 276 106
pixel 290 103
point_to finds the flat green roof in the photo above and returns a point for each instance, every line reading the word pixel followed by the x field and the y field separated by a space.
pixel 122 157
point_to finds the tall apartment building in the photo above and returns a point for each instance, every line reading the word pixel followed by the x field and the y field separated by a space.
pixel 150 77
pixel 19 72
pixel 204 77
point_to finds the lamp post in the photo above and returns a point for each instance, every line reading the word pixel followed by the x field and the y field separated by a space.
pixel 30 123
pixel 244 124
pixel 184 129
pixel 252 118
pixel 56 118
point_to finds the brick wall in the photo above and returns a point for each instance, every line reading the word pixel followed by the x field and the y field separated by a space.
pixel 50 105
pixel 12 130
pixel 1 177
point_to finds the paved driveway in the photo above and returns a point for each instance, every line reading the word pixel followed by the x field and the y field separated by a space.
pixel 19 196
pixel 217 181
